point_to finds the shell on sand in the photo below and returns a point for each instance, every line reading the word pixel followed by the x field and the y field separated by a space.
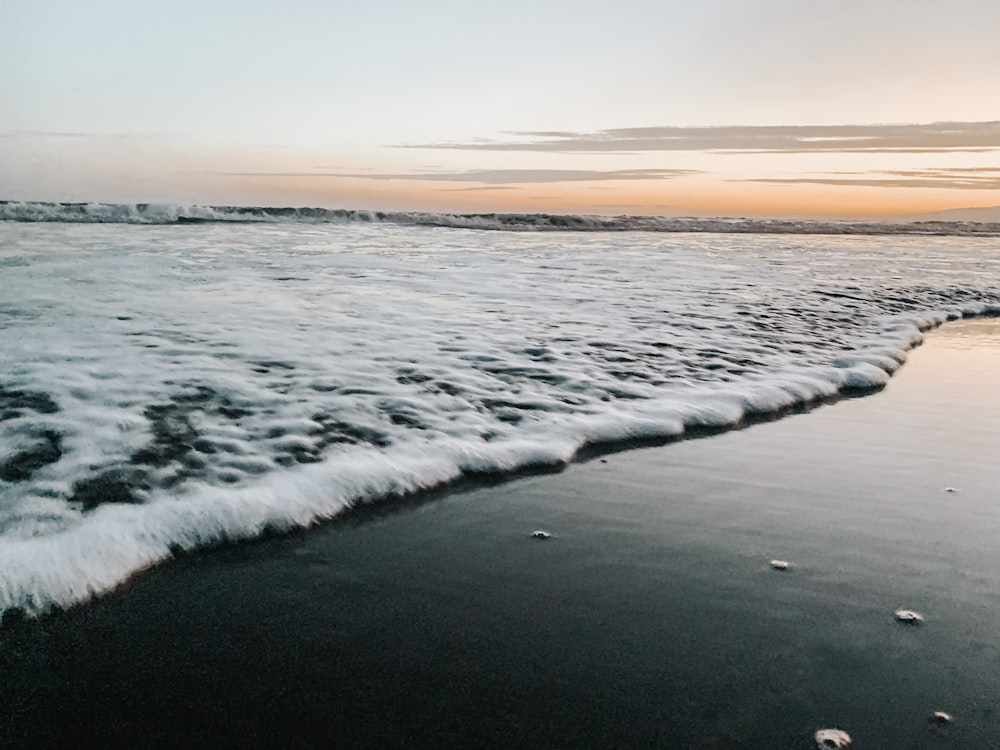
pixel 780 564
pixel 909 616
pixel 832 739
pixel 539 534
pixel 941 718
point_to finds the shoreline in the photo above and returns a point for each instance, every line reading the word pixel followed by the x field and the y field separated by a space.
pixel 689 423
pixel 651 616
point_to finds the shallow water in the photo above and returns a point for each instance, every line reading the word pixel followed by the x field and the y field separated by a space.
pixel 651 618
pixel 163 388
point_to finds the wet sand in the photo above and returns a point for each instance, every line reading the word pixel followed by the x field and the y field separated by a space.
pixel 651 618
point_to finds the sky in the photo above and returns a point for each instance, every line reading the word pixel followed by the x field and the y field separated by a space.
pixel 784 108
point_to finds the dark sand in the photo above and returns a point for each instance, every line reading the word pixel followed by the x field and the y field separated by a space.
pixel 651 619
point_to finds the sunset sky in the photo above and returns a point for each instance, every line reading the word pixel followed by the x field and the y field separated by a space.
pixel 723 107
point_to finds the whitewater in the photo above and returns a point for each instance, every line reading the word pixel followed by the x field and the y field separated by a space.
pixel 171 385
pixel 174 213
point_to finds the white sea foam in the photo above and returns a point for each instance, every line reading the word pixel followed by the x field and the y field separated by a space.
pixel 165 388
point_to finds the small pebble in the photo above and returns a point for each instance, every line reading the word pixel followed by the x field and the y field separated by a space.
pixel 832 739
pixel 780 564
pixel 950 489
pixel 940 718
pixel 909 616
pixel 539 534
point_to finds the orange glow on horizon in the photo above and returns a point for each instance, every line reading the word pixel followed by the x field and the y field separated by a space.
pixel 682 197
pixel 692 184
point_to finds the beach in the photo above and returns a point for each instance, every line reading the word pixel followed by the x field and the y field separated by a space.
pixel 545 376
pixel 651 618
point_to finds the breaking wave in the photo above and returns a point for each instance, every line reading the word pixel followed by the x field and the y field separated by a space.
pixel 171 213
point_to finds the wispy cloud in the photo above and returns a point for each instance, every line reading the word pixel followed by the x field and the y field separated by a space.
pixel 479 188
pixel 962 178
pixel 40 134
pixel 494 176
pixel 34 134
pixel 876 138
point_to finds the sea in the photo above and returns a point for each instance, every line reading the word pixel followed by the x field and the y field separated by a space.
pixel 174 378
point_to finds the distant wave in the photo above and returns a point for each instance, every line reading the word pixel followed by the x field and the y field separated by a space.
pixel 172 213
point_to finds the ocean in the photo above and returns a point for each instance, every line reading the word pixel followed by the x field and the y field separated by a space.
pixel 174 379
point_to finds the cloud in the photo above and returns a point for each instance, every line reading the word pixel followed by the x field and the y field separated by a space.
pixel 477 189
pixel 66 134
pixel 751 139
pixel 494 176
pixel 961 178
pixel 41 134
